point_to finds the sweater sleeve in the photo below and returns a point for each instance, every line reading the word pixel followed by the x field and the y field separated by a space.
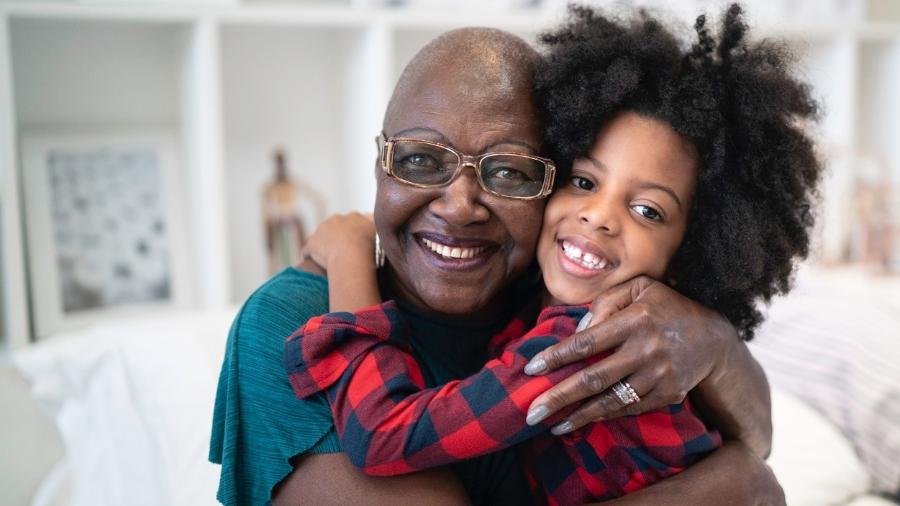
pixel 258 424
pixel 387 421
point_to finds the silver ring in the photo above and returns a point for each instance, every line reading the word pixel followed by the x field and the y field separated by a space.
pixel 625 393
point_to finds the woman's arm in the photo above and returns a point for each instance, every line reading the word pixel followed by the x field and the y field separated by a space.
pixel 664 345
pixel 330 479
pixel 733 475
pixel 737 399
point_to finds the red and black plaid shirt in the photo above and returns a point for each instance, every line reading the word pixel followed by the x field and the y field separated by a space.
pixel 390 424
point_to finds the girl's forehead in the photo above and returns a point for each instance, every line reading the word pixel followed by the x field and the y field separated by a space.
pixel 644 148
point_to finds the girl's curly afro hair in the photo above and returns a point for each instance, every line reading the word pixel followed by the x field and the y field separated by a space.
pixel 736 100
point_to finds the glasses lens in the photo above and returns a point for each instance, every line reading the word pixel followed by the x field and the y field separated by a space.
pixel 513 176
pixel 421 163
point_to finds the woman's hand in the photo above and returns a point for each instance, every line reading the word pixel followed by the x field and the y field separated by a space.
pixel 342 236
pixel 665 344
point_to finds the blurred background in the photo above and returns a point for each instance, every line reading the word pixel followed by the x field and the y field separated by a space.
pixel 159 160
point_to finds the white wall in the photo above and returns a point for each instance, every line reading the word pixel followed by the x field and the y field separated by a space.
pixel 95 74
pixel 281 89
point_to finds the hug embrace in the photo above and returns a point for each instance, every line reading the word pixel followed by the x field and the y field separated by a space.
pixel 570 249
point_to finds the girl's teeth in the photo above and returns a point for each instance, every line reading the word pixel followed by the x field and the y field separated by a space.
pixel 588 260
pixel 572 252
pixel 450 252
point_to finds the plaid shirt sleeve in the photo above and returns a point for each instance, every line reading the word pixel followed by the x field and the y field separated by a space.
pixel 615 457
pixel 390 424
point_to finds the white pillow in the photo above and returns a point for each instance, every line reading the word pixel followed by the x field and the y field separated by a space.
pixel 133 403
pixel 814 463
pixel 834 343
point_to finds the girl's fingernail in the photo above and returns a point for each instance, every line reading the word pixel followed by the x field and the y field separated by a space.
pixel 585 321
pixel 536 366
pixel 562 428
pixel 535 415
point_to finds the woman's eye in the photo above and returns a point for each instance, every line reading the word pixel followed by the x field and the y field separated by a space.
pixel 647 212
pixel 507 174
pixel 423 161
pixel 581 183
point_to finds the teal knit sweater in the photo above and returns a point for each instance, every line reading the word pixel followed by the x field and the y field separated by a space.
pixel 259 426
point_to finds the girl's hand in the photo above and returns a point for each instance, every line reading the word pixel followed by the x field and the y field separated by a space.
pixel 342 236
pixel 665 344
pixel 344 246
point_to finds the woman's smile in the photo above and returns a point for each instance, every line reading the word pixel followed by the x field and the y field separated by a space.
pixel 446 252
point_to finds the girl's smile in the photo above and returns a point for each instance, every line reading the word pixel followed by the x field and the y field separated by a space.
pixel 622 213
pixel 582 258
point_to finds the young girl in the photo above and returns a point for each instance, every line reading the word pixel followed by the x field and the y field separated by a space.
pixel 685 167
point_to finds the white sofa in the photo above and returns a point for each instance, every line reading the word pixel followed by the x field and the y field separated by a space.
pixel 119 413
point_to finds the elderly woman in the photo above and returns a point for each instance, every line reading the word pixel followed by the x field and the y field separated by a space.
pixel 471 89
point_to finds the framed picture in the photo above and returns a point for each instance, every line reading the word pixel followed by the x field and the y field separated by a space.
pixel 102 222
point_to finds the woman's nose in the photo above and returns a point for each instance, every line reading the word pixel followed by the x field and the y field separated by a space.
pixel 600 213
pixel 460 203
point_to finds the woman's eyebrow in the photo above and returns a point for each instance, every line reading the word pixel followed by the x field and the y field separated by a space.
pixel 415 130
pixel 644 185
pixel 439 137
pixel 514 143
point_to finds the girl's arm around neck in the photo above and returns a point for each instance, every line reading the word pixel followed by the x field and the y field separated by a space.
pixel 344 245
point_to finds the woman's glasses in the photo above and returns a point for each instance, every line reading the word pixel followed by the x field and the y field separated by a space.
pixel 427 164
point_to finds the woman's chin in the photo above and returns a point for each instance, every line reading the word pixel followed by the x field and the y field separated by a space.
pixel 472 304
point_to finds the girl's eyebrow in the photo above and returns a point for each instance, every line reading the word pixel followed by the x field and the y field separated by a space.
pixel 649 185
pixel 644 185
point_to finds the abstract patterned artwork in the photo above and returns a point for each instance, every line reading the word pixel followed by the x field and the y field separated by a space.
pixel 108 226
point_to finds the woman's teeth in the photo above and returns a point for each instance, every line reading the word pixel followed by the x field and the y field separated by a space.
pixel 587 260
pixel 450 251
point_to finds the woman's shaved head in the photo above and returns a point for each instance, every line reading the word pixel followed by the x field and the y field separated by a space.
pixel 482 60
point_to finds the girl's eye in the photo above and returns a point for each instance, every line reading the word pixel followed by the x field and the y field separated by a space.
pixel 647 212
pixel 581 183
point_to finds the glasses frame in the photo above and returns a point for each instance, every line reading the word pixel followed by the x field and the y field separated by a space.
pixel 386 151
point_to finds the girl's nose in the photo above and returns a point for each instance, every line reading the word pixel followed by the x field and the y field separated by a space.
pixel 599 213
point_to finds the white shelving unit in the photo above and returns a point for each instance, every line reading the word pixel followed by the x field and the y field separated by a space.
pixel 236 81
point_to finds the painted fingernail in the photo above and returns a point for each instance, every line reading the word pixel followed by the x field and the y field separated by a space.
pixel 585 321
pixel 535 415
pixel 562 428
pixel 536 366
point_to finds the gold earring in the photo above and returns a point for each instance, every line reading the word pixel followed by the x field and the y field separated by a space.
pixel 379 253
